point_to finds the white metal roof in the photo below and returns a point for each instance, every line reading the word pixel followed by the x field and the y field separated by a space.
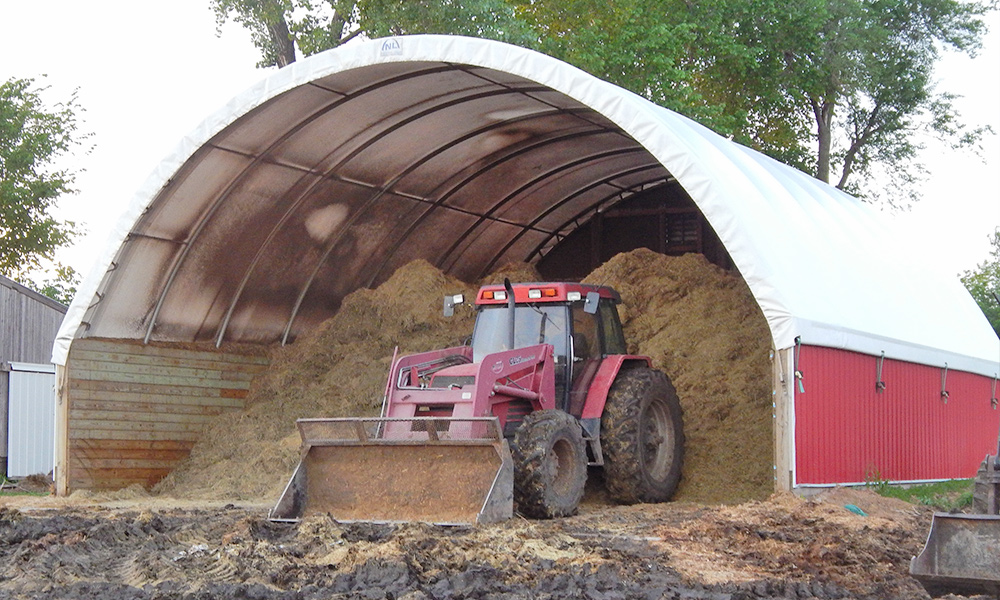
pixel 334 171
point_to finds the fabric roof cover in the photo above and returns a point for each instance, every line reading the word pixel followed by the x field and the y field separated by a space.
pixel 332 172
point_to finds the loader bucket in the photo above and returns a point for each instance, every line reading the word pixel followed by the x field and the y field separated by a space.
pixel 961 556
pixel 434 470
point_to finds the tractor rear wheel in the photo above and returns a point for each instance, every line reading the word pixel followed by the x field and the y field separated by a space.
pixel 642 437
pixel 550 464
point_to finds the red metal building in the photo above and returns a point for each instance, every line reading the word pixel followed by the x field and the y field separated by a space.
pixel 861 418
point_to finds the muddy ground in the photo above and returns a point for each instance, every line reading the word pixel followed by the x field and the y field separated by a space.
pixel 150 548
pixel 725 538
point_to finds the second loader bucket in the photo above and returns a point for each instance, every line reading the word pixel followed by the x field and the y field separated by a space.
pixel 435 470
pixel 961 556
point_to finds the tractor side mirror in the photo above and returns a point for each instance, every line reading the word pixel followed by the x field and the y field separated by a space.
pixel 450 302
pixel 590 304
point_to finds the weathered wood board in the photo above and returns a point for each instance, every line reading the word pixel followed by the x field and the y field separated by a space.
pixel 134 411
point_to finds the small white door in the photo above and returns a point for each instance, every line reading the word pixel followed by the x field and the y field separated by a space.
pixel 30 419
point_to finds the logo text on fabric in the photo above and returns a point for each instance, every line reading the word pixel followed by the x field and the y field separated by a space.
pixel 391 47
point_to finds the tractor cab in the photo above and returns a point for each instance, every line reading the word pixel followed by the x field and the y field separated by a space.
pixel 579 321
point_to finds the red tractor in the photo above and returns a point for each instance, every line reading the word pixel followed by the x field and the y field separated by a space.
pixel 546 375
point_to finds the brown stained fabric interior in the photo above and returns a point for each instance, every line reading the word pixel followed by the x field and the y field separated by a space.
pixel 335 184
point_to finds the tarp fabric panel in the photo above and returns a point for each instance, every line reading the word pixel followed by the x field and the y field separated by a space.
pixel 409 121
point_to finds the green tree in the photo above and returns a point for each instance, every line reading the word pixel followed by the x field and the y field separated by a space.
pixel 275 32
pixel 33 137
pixel 278 27
pixel 60 285
pixel 837 88
pixel 984 283
pixel 655 48
pixel 858 75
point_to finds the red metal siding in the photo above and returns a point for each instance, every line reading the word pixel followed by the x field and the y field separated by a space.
pixel 846 432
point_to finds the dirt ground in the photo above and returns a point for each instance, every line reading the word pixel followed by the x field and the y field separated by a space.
pixel 133 545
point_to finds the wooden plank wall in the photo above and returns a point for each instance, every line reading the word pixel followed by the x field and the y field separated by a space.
pixel 28 324
pixel 134 411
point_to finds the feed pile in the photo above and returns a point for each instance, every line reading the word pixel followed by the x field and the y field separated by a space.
pixel 701 325
pixel 698 322
pixel 338 370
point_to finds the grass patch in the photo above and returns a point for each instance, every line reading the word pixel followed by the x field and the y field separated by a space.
pixel 8 487
pixel 15 492
pixel 947 496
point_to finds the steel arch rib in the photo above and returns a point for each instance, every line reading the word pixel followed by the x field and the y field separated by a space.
pixel 320 177
pixel 552 207
pixel 527 185
pixel 206 217
pixel 382 190
pixel 462 182
pixel 580 214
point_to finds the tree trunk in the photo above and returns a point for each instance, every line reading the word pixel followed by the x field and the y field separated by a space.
pixel 823 111
pixel 871 127
pixel 284 46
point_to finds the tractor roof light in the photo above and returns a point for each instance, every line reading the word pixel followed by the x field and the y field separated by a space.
pixel 497 295
pixel 538 293
pixel 573 296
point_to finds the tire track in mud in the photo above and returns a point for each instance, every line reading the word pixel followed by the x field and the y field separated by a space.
pixel 606 554
pixel 133 550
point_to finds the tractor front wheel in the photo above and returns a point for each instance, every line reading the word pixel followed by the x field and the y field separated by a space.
pixel 642 437
pixel 550 465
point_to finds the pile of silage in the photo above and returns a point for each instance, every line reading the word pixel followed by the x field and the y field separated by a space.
pixel 699 324
pixel 338 370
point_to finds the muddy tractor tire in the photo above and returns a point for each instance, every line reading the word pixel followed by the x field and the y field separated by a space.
pixel 642 437
pixel 550 465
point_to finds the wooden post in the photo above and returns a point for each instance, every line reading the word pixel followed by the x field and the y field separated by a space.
pixel 783 390
pixel 60 475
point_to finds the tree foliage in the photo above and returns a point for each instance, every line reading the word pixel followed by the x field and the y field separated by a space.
pixel 858 75
pixel 278 27
pixel 33 137
pixel 60 285
pixel 984 283
pixel 838 88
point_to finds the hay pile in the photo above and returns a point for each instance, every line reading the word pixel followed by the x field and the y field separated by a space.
pixel 702 327
pixel 339 370
pixel 697 322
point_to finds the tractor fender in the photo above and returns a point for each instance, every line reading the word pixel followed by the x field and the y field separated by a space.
pixel 606 374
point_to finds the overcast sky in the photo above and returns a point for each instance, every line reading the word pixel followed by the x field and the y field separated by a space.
pixel 149 72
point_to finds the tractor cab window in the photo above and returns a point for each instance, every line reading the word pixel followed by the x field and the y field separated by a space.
pixel 586 338
pixel 611 327
pixel 532 325
pixel 587 355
